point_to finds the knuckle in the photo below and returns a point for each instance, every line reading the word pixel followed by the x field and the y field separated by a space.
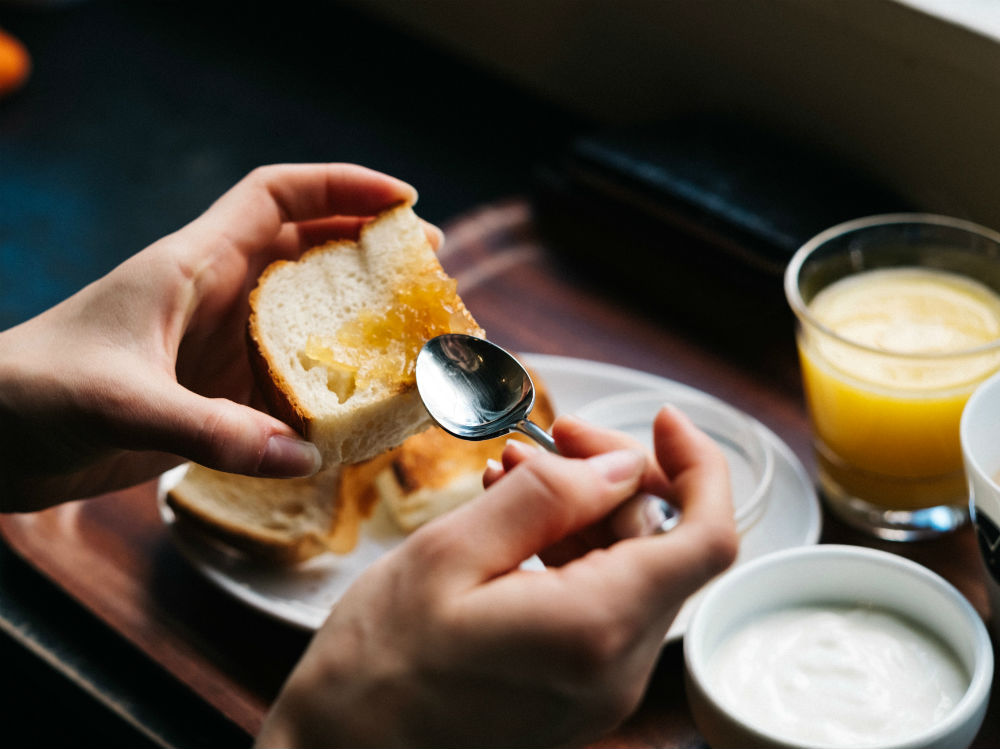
pixel 599 643
pixel 564 489
pixel 720 544
pixel 215 440
pixel 607 643
pixel 260 174
pixel 603 669
pixel 433 544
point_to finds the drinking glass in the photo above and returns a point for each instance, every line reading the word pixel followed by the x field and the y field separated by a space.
pixel 885 419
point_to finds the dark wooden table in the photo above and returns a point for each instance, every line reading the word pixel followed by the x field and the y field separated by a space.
pixel 114 555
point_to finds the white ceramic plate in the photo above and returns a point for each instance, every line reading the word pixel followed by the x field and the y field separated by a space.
pixel 302 596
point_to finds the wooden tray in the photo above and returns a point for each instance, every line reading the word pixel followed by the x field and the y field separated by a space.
pixel 114 555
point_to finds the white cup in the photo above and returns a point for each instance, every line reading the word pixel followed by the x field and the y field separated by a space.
pixel 980 435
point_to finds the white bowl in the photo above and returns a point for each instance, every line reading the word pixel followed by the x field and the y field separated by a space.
pixel 742 439
pixel 980 436
pixel 830 576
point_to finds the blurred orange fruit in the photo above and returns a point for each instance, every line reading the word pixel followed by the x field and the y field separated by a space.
pixel 15 63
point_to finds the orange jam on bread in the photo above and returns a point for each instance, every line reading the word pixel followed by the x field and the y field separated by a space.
pixel 382 344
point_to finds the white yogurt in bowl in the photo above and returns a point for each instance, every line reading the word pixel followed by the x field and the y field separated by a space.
pixel 837 646
pixel 837 675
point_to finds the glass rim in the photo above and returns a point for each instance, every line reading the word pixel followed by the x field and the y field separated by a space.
pixel 801 309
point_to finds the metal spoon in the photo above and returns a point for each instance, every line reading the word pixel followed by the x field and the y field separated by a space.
pixel 476 390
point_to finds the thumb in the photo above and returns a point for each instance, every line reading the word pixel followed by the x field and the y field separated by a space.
pixel 222 434
pixel 541 501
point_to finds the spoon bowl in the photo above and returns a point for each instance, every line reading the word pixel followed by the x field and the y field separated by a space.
pixel 475 390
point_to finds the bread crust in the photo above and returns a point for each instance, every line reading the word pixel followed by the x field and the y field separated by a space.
pixel 275 389
pixel 259 545
pixel 274 544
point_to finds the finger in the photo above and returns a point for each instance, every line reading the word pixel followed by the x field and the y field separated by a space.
pixel 294 238
pixel 308 191
pixel 434 235
pixel 684 455
pixel 695 465
pixel 641 584
pixel 306 234
pixel 579 439
pixel 252 212
pixel 544 499
pixel 704 543
pixel 216 433
pixel 638 515
pixel 643 580
pixel 514 452
pixel 494 472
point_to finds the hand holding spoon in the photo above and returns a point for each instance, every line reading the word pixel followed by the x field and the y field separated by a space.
pixel 476 390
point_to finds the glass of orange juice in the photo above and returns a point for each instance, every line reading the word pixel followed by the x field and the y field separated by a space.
pixel 898 321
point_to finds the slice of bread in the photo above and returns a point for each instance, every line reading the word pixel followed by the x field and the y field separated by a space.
pixel 280 520
pixel 431 472
pixel 334 336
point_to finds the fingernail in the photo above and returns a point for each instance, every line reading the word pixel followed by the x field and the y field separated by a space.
pixel 435 235
pixel 520 449
pixel 618 465
pixel 288 456
pixel 494 465
pixel 674 412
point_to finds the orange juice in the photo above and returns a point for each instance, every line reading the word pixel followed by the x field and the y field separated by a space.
pixel 886 373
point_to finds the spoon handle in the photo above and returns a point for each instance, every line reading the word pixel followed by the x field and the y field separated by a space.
pixel 644 515
pixel 539 435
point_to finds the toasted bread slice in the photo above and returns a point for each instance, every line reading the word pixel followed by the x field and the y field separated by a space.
pixel 281 520
pixel 335 335
pixel 431 472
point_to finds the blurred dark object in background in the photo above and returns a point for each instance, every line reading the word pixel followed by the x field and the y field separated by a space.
pixel 15 63
pixel 696 218
pixel 138 115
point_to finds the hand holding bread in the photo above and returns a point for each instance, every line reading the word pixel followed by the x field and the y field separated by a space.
pixel 148 365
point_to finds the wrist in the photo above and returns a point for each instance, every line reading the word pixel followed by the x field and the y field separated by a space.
pixel 311 710
pixel 16 442
pixel 277 732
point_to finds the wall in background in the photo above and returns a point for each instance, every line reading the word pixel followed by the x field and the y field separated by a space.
pixel 886 86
